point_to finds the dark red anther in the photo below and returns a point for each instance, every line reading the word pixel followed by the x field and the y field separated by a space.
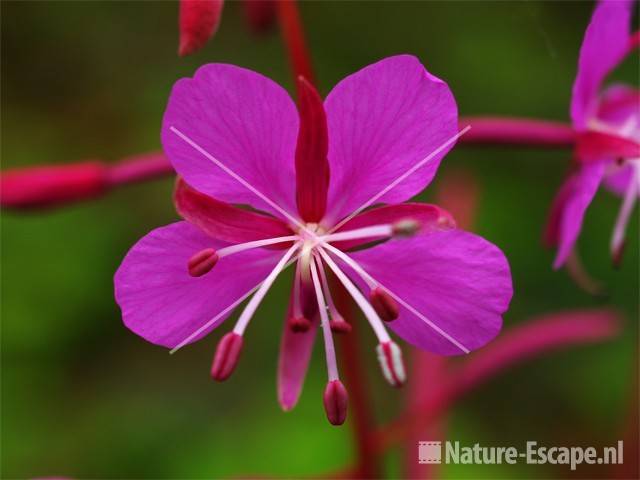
pixel 391 363
pixel 339 325
pixel 384 304
pixel 312 165
pixel 202 262
pixel 335 400
pixel 299 324
pixel 199 20
pixel 226 357
pixel 52 185
pixel 616 257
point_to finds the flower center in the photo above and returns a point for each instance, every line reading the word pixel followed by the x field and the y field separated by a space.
pixel 312 301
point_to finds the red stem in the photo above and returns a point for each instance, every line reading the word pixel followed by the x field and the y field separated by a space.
pixel 362 419
pixel 294 40
pixel 516 132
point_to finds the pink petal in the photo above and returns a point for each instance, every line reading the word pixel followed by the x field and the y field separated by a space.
pixel 383 120
pixel 431 218
pixel 569 207
pixel 293 362
pixel 617 178
pixel 223 221
pixel 243 120
pixel 199 20
pixel 456 279
pixel 162 303
pixel 619 104
pixel 605 44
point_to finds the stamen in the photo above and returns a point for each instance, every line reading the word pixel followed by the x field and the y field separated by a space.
pixel 223 252
pixel 372 283
pixel 384 304
pixel 366 232
pixel 253 304
pixel 297 322
pixel 620 228
pixel 390 358
pixel 402 228
pixel 366 308
pixel 335 400
pixel 226 357
pixel 332 365
pixel 338 324
pixel 202 262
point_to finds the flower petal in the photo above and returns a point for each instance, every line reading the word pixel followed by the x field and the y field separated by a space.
pixel 456 279
pixel 162 303
pixel 569 207
pixel 431 218
pixel 383 120
pixel 223 221
pixel 245 121
pixel 605 44
pixel 293 362
pixel 618 178
pixel 618 105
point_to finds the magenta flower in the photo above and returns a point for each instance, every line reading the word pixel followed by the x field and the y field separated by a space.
pixel 608 128
pixel 235 137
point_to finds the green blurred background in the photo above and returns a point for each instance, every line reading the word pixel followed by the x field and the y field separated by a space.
pixel 83 397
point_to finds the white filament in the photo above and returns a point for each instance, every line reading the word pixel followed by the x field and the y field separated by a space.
pixel 329 348
pixel 371 282
pixel 365 306
pixel 240 247
pixel 253 304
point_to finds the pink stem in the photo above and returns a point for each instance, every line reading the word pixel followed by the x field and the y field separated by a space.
pixel 516 132
pixel 56 185
pixel 362 419
pixel 139 168
pixel 530 340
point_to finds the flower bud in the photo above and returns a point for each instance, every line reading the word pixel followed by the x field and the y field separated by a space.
pixel 47 186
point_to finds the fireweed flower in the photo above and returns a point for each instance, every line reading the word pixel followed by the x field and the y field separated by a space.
pixel 608 132
pixel 235 137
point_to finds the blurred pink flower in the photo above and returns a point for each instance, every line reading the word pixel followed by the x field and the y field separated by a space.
pixel 608 127
pixel 313 171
